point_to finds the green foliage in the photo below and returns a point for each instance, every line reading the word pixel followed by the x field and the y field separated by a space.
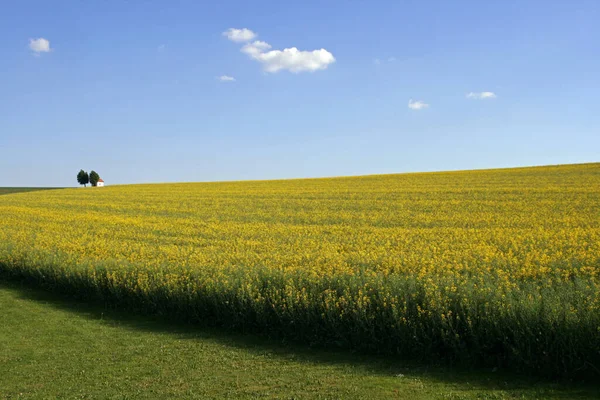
pixel 94 178
pixel 534 336
pixel 83 178
pixel 59 347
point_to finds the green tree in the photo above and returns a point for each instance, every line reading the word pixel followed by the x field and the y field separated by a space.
pixel 83 178
pixel 94 177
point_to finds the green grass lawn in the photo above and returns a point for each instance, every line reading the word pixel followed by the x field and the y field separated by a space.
pixel 57 347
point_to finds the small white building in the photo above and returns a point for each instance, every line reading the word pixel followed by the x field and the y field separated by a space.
pixel 100 182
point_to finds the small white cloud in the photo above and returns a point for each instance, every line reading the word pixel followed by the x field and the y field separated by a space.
pixel 481 95
pixel 226 78
pixel 239 35
pixel 39 45
pixel 161 48
pixel 290 59
pixel 379 61
pixel 255 48
pixel 417 105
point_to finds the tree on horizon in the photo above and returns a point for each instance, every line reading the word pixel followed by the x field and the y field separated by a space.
pixel 83 178
pixel 94 178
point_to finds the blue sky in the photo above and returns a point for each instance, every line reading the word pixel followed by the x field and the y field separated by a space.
pixel 132 89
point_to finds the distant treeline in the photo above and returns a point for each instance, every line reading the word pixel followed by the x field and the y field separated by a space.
pixel 9 190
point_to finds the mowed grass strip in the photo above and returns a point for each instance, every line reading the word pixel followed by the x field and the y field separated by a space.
pixel 58 347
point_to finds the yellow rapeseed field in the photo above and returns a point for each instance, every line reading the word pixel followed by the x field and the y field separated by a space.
pixel 500 267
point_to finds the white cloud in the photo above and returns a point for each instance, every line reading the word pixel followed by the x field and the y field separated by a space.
pixel 481 95
pixel 239 35
pixel 256 48
pixel 379 61
pixel 39 45
pixel 226 78
pixel 417 105
pixel 290 59
pixel 161 48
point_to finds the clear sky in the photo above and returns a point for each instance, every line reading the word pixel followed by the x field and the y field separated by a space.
pixel 164 91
